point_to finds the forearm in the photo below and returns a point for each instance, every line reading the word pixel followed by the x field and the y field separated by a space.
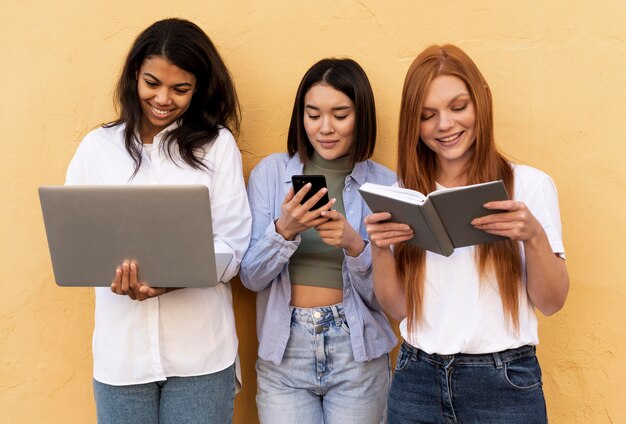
pixel 387 285
pixel 266 258
pixel 547 279
pixel 361 277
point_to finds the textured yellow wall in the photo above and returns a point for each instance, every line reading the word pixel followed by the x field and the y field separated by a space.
pixel 558 73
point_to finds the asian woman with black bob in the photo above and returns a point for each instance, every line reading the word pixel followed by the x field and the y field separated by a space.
pixel 323 337
pixel 468 320
pixel 166 355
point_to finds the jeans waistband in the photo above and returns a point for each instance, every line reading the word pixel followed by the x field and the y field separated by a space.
pixel 319 315
pixel 496 358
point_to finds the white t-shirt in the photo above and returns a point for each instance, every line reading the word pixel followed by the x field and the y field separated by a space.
pixel 462 314
pixel 187 332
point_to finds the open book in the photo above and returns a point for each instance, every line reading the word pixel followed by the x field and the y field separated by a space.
pixel 440 221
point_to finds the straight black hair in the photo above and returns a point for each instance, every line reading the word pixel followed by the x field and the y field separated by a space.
pixel 347 76
pixel 213 105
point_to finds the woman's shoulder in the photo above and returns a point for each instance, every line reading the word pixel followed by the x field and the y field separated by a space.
pixel 225 138
pixel 273 167
pixel 274 161
pixel 528 174
pixel 103 135
pixel 223 144
pixel 529 180
pixel 380 174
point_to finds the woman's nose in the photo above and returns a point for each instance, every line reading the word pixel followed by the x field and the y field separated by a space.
pixel 327 127
pixel 162 96
pixel 445 122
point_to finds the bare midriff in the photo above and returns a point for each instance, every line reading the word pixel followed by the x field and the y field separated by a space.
pixel 313 297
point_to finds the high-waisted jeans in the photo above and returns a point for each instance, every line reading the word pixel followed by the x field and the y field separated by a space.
pixel 318 380
pixel 494 388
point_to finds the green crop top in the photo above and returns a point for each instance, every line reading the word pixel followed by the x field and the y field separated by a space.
pixel 315 263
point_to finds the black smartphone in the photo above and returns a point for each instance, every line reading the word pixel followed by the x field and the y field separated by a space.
pixel 318 182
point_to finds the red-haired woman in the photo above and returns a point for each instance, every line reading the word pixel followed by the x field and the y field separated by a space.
pixel 467 320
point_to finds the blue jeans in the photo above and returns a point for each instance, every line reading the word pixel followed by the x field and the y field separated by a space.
pixel 318 380
pixel 202 399
pixel 495 388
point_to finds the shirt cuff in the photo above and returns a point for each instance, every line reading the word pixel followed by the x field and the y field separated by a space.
pixel 361 263
pixel 286 247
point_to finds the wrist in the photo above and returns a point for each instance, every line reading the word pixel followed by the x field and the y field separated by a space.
pixel 280 229
pixel 356 248
pixel 536 240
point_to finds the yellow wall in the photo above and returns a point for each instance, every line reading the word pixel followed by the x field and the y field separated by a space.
pixel 558 73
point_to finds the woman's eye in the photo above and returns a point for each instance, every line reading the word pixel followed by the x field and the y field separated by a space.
pixel 459 108
pixel 427 117
pixel 341 117
pixel 151 83
pixel 313 117
pixel 181 91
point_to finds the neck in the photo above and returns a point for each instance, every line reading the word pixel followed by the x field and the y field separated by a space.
pixel 452 174
pixel 147 134
pixel 339 164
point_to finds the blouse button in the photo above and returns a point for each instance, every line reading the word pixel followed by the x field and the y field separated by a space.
pixel 351 212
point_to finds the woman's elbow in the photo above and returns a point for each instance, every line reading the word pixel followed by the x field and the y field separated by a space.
pixel 551 309
pixel 557 301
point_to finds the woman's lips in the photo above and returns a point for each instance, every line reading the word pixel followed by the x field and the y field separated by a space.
pixel 451 138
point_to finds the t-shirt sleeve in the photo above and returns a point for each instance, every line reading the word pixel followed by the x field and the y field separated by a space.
pixel 543 203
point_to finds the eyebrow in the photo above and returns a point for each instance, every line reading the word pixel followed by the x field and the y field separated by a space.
pixel 451 101
pixel 335 108
pixel 182 84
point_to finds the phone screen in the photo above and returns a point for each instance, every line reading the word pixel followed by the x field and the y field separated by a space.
pixel 317 183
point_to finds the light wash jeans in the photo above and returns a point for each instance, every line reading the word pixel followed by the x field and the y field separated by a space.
pixel 318 380
pixel 494 388
pixel 177 400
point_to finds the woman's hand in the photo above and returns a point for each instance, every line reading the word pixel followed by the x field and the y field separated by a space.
pixel 126 282
pixel 338 232
pixel 295 218
pixel 547 281
pixel 382 233
pixel 387 285
pixel 517 222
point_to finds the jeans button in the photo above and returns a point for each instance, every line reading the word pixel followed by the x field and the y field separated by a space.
pixel 317 315
pixel 319 329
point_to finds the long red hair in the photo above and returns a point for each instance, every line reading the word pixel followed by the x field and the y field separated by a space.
pixel 417 170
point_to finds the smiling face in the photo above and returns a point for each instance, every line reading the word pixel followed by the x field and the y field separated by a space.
pixel 329 121
pixel 448 121
pixel 164 92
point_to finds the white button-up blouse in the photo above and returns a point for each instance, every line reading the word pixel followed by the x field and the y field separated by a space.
pixel 187 332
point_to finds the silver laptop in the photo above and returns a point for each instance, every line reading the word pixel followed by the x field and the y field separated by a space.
pixel 167 230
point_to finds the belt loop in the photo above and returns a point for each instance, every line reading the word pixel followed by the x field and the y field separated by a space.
pixel 338 320
pixel 497 359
